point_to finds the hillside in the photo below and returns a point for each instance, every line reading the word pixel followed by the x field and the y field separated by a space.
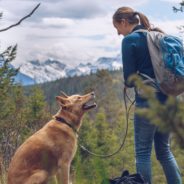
pixel 27 109
pixel 105 124
pixel 102 83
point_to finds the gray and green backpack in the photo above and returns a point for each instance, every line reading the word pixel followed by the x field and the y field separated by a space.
pixel 167 56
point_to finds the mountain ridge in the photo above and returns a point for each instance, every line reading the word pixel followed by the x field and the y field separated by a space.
pixel 35 71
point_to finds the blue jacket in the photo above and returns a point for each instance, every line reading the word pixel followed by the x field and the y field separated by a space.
pixel 136 58
pixel 135 55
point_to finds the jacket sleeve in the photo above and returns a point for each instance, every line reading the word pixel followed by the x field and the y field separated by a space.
pixel 129 59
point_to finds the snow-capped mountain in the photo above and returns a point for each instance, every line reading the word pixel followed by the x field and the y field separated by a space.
pixel 24 79
pixel 38 72
pixel 109 63
pixel 44 71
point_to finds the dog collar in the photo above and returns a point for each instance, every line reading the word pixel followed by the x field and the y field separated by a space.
pixel 62 120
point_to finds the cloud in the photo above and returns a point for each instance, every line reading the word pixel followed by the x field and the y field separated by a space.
pixel 73 42
pixel 168 26
pixel 72 31
pixel 94 37
pixel 59 11
pixel 13 10
pixel 172 1
pixel 75 9
pixel 57 22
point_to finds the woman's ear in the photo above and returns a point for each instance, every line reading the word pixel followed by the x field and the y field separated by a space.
pixel 62 101
pixel 123 22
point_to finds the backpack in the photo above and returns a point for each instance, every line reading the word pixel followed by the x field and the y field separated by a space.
pixel 167 57
pixel 126 178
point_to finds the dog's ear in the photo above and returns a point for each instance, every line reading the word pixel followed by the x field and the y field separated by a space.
pixel 64 94
pixel 62 101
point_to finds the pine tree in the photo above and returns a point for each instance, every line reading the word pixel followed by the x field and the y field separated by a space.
pixel 181 10
pixel 7 74
pixel 37 109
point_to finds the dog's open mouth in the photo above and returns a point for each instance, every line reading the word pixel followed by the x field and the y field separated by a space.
pixel 89 105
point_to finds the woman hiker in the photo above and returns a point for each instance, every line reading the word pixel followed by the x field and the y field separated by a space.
pixel 136 58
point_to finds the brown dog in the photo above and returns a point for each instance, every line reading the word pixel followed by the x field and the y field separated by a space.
pixel 50 150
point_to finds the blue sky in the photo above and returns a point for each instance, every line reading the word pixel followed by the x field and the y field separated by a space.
pixel 76 31
pixel 161 9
